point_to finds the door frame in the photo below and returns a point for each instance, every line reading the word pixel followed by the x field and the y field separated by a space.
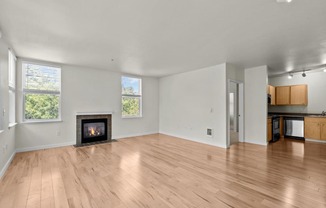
pixel 240 112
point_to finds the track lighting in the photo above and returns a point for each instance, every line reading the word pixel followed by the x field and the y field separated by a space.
pixel 290 76
pixel 304 74
pixel 324 69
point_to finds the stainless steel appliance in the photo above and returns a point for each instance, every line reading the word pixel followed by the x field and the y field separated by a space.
pixel 294 127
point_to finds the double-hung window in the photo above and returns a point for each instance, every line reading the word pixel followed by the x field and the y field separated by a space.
pixel 41 92
pixel 131 97
pixel 12 87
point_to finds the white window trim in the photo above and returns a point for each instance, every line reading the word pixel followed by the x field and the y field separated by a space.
pixel 135 96
pixel 12 125
pixel 32 91
pixel 12 70
pixel 12 74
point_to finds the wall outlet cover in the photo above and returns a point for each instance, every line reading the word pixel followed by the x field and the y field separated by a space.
pixel 209 132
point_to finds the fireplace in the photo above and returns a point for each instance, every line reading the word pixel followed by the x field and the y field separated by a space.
pixel 93 128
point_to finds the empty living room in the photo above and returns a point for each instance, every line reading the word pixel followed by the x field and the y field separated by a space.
pixel 152 103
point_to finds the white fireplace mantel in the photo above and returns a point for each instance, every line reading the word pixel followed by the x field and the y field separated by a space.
pixel 94 113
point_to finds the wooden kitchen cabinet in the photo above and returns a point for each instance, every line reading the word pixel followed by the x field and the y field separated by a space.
pixel 323 130
pixel 271 91
pixel 283 95
pixel 299 95
pixel 292 95
pixel 269 130
pixel 312 128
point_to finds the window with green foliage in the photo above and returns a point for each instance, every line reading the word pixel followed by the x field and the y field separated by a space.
pixel 131 97
pixel 42 92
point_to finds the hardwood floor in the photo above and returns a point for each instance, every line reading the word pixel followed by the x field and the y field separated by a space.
pixel 162 171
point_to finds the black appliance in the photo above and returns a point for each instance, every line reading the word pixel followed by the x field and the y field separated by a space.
pixel 276 134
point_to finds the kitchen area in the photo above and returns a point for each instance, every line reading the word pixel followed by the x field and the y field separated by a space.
pixel 296 106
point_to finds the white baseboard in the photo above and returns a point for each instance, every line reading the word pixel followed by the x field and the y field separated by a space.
pixel 47 146
pixel 194 140
pixel 4 169
pixel 258 143
pixel 134 135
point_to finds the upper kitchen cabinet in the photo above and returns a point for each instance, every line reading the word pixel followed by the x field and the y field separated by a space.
pixel 292 95
pixel 299 95
pixel 283 95
pixel 271 92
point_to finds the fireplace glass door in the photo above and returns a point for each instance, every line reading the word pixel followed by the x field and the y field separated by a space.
pixel 94 130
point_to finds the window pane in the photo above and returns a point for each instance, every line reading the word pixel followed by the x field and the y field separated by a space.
pixel 39 77
pixel 131 86
pixel 130 106
pixel 41 106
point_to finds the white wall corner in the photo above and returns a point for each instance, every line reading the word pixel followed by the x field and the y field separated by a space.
pixel 4 169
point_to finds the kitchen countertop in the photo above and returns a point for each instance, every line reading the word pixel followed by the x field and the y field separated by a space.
pixel 315 115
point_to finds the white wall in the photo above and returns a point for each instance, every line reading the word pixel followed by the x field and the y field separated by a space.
pixel 7 137
pixel 316 82
pixel 89 90
pixel 193 101
pixel 256 105
pixel 234 73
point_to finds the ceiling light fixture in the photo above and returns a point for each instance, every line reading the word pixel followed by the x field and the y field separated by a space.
pixel 290 76
pixel 283 1
pixel 304 74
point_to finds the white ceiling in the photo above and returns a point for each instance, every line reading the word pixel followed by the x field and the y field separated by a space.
pixel 162 37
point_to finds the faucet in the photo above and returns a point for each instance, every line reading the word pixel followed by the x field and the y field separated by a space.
pixel 323 113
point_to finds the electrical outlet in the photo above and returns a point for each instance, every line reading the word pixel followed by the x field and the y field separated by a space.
pixel 209 132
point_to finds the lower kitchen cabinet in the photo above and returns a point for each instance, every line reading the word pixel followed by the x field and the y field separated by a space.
pixel 315 128
pixel 269 130
pixel 323 130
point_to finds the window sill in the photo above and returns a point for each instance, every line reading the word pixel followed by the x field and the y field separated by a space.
pixel 12 125
pixel 45 121
pixel 131 117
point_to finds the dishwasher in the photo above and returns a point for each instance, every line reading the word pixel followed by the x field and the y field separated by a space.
pixel 294 127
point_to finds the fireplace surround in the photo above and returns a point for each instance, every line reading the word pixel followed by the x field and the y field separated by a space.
pixel 93 128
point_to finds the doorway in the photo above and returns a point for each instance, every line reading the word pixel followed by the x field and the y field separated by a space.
pixel 235 112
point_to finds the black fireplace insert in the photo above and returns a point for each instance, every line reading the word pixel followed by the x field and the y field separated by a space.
pixel 94 130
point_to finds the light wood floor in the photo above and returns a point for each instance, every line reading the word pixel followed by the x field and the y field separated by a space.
pixel 162 171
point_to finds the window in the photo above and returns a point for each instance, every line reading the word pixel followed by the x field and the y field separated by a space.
pixel 131 97
pixel 12 87
pixel 41 92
